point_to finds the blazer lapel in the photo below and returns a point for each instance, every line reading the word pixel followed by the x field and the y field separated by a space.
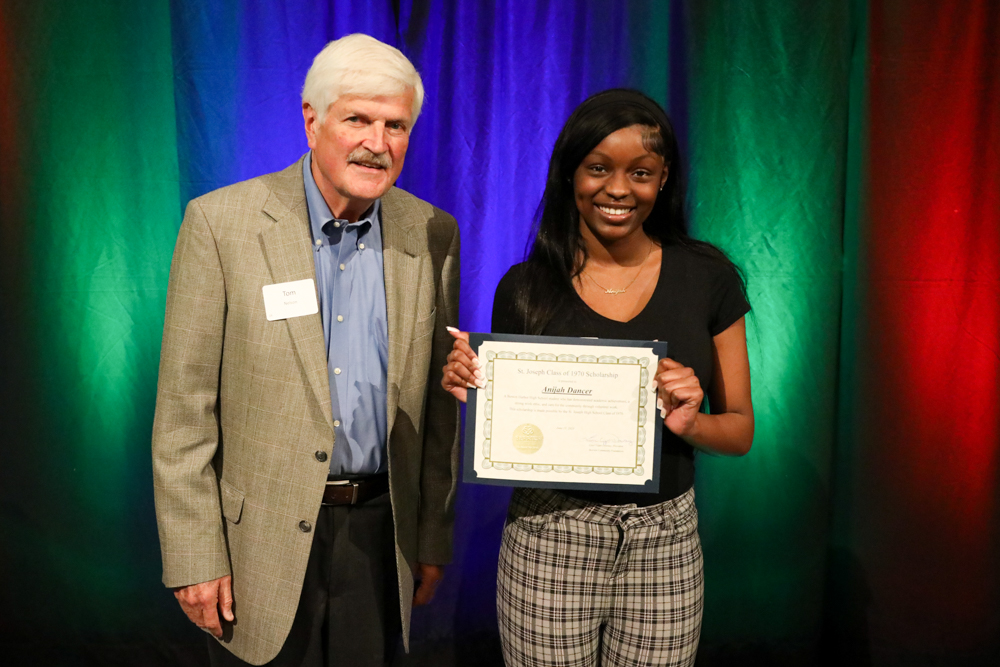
pixel 401 268
pixel 288 249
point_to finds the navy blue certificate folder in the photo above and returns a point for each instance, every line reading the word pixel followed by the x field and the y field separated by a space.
pixel 530 468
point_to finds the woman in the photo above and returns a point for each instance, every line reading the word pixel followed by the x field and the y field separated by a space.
pixel 613 578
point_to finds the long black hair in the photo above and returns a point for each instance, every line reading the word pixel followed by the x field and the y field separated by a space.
pixel 553 260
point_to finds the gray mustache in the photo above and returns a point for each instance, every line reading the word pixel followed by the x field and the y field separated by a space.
pixel 366 157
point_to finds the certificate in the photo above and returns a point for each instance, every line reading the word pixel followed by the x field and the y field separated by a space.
pixel 564 413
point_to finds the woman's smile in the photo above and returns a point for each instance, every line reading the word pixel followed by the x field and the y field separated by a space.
pixel 615 212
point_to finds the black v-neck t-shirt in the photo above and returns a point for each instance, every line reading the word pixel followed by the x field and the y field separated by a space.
pixel 696 297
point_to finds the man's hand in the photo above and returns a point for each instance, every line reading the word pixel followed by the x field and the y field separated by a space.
pixel 430 576
pixel 202 602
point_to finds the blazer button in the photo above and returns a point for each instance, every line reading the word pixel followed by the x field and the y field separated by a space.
pixel 305 526
pixel 321 456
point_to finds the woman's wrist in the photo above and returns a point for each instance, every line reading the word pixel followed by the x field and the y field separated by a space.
pixel 726 434
pixel 692 433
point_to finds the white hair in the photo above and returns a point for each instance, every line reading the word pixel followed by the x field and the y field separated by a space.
pixel 360 65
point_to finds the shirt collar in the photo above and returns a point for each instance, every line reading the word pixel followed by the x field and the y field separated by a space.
pixel 319 212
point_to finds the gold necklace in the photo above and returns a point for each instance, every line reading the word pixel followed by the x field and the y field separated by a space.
pixel 614 292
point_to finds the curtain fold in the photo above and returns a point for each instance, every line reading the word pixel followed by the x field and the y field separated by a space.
pixel 919 501
pixel 94 216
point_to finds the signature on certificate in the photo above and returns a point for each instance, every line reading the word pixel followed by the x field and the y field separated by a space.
pixel 607 440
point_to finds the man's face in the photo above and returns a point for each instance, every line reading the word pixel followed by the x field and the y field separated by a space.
pixel 358 150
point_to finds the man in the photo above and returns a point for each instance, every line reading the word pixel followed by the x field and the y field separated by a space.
pixel 305 462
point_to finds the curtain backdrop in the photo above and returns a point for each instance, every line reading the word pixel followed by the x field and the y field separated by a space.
pixel 845 154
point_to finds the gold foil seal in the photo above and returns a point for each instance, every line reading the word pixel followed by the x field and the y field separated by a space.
pixel 527 438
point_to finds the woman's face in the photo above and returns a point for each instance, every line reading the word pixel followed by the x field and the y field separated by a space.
pixel 616 185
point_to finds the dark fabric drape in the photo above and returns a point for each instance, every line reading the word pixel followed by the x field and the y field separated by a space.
pixel 918 497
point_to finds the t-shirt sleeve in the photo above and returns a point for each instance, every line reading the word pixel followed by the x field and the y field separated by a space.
pixel 728 301
pixel 505 317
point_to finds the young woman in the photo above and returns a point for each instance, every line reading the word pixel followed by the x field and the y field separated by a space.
pixel 612 578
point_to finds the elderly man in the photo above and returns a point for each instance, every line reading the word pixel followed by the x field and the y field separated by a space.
pixel 304 454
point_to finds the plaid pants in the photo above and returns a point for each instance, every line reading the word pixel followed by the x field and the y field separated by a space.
pixel 583 584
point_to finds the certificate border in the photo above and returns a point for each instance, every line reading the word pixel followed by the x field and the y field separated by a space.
pixel 642 414
pixel 469 473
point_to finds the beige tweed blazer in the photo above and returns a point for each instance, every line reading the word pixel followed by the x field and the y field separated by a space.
pixel 243 404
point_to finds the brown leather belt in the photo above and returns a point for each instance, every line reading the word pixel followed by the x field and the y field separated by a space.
pixel 354 491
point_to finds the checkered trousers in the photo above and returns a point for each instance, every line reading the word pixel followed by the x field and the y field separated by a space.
pixel 584 584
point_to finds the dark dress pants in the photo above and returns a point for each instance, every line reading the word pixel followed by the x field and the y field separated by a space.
pixel 348 613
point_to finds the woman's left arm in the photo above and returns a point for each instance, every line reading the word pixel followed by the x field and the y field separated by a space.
pixel 729 429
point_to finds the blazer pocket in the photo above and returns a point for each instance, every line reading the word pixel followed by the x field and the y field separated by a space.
pixel 429 316
pixel 232 501
pixel 423 328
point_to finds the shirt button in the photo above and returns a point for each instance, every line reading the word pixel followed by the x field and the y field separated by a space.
pixel 319 242
pixel 336 224
pixel 341 267
pixel 361 246
pixel 321 456
pixel 305 526
pixel 336 422
pixel 336 371
pixel 340 318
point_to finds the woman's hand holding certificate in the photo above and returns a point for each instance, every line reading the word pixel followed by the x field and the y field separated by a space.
pixel 463 370
pixel 565 413
pixel 679 396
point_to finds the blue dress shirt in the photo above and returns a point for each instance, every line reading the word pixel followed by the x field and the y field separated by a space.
pixel 351 288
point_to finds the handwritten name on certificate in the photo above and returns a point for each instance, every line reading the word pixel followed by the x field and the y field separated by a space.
pixel 564 413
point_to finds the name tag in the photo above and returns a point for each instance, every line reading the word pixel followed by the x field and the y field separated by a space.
pixel 294 299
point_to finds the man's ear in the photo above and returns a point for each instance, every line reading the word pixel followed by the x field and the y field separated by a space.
pixel 310 119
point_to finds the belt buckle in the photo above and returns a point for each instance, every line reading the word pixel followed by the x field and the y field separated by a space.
pixel 346 482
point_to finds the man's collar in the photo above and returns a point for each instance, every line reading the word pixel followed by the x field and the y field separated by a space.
pixel 319 211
